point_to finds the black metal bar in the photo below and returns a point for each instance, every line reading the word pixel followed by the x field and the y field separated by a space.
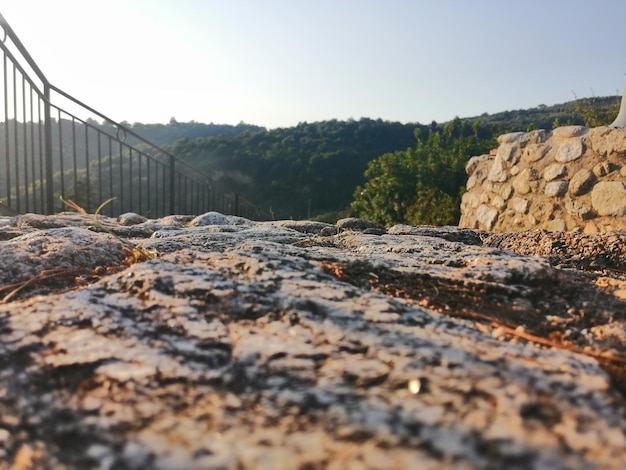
pixel 122 209
pixel 25 146
pixel 130 177
pixel 74 158
pixel 100 197
pixel 32 149
pixel 61 159
pixel 172 182
pixel 111 172
pixel 41 147
pixel 139 183
pixel 16 145
pixel 7 146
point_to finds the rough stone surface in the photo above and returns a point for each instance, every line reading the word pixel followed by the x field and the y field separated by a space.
pixel 609 198
pixel 293 345
pixel 568 167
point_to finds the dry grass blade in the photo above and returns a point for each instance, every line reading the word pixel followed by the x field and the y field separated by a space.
pixel 137 252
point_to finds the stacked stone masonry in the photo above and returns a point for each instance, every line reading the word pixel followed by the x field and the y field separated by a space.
pixel 570 178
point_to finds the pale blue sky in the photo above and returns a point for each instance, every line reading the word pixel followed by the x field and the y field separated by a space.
pixel 276 63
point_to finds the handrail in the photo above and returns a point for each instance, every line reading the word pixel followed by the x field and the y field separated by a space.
pixel 16 40
pixel 128 131
pixel 31 133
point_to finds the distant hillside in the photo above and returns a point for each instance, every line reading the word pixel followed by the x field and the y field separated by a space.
pixel 585 111
pixel 163 134
pixel 591 112
pixel 314 168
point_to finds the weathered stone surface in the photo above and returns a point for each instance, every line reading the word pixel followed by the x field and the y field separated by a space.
pixel 509 153
pixel 556 188
pixel 565 132
pixel 68 248
pixel 510 137
pixel 554 171
pixel 581 182
pixel 360 225
pixel 130 218
pixel 606 140
pixel 609 198
pixel 535 152
pixel 578 209
pixel 497 173
pixel 269 345
pixel 569 150
pixel 519 204
pixel 486 216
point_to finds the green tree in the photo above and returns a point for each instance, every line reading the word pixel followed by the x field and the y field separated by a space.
pixel 422 185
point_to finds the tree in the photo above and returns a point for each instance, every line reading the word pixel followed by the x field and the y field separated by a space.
pixel 422 185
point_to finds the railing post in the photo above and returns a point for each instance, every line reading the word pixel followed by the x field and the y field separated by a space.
pixel 48 151
pixel 172 184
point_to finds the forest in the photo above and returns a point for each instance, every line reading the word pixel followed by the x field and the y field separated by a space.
pixel 385 171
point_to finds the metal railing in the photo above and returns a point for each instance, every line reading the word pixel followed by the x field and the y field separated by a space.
pixel 50 151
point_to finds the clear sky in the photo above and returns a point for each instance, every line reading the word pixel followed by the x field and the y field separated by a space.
pixel 276 63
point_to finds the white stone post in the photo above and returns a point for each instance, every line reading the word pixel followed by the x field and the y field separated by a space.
pixel 620 120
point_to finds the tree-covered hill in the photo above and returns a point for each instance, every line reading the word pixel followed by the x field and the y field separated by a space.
pixel 314 168
pixel 299 171
pixel 585 111
pixel 163 134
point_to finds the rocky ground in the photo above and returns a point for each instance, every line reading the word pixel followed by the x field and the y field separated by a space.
pixel 219 343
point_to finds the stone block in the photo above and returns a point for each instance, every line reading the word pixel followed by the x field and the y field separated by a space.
pixel 556 188
pixel 535 152
pixel 566 132
pixel 607 140
pixel 569 151
pixel 471 182
pixel 519 204
pixel 509 153
pixel 510 137
pixel 582 182
pixel 554 171
pixel 522 182
pixel 506 191
pixel 608 198
pixel 475 162
pixel 579 209
pixel 497 173
pixel 543 209
pixel 603 169
pixel 498 202
pixel 486 216
pixel 538 136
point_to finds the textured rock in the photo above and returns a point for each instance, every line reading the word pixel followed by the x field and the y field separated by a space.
pixel 577 172
pixel 556 188
pixel 306 345
pixel 609 198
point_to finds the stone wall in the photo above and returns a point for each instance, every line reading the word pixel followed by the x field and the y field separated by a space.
pixel 570 178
